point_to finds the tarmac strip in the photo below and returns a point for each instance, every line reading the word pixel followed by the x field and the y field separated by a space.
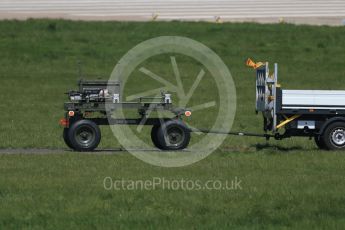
pixel 43 151
pixel 316 12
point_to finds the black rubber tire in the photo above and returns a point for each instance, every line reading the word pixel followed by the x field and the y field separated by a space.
pixel 84 135
pixel 154 136
pixel 319 142
pixel 173 129
pixel 65 138
pixel 327 137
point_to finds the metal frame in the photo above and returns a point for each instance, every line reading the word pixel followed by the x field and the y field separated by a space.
pixel 106 105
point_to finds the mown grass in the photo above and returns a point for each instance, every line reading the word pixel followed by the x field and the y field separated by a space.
pixel 298 190
pixel 286 184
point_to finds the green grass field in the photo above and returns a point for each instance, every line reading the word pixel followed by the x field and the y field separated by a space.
pixel 286 184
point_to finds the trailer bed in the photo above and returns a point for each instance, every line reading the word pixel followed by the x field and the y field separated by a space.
pixel 313 99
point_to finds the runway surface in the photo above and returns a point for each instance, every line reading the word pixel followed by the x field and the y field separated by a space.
pixel 43 151
pixel 330 12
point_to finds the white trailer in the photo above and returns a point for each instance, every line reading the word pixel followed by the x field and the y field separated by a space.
pixel 318 114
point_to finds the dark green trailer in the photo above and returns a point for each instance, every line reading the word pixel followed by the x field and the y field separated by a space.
pixel 94 104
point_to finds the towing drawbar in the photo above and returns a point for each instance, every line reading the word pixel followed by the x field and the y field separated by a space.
pixel 265 135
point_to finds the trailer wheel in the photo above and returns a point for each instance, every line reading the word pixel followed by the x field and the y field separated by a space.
pixel 334 136
pixel 154 136
pixel 65 138
pixel 84 135
pixel 173 135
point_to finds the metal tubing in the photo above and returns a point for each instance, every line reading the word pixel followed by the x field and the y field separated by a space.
pixel 231 133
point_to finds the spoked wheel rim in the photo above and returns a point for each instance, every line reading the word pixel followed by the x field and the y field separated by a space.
pixel 85 136
pixel 175 136
pixel 338 136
